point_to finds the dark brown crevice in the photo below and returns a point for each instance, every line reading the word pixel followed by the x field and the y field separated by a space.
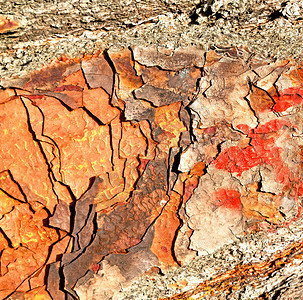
pixel 176 233
pixel 249 104
pixel 9 242
pixel 19 187
pixel 123 175
pixel 92 116
pixel 111 146
pixel 191 129
pixel 176 162
pixel 111 64
pixel 53 142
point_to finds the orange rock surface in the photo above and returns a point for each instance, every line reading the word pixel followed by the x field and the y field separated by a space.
pixel 139 157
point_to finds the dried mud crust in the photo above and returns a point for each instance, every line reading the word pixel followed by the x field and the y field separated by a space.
pixel 50 29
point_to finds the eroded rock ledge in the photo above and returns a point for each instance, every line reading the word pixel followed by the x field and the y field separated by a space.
pixel 184 165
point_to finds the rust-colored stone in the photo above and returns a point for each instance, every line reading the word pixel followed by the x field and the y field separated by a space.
pixel 28 249
pixel 37 294
pixel 166 227
pixel 97 101
pixel 128 80
pixel 74 132
pixel 7 95
pixel 21 154
pixel 261 206
pixel 10 187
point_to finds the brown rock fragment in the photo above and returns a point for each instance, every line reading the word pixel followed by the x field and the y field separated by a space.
pixel 70 90
pixel 121 228
pixel 98 73
pixel 169 59
pixel 260 100
pixel 158 96
pixel 124 66
pixel 62 79
pixel 136 109
pixel 53 282
pixel 49 77
pixel 117 271
pixel 163 87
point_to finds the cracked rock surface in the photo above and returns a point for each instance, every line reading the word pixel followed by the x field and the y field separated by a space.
pixel 34 32
pixel 124 170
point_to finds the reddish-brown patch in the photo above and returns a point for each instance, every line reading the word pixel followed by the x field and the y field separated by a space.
pixel 142 166
pixel 95 267
pixel 260 100
pixel 165 229
pixel 189 186
pixel 227 198
pixel 7 25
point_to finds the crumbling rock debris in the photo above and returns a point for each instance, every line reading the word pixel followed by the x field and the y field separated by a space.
pixel 132 162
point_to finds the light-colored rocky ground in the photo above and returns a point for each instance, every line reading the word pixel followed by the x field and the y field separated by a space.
pixel 49 29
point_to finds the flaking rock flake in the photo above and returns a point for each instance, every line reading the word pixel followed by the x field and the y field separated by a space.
pixel 135 162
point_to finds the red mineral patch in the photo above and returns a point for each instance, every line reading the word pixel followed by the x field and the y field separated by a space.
pixel 288 98
pixel 262 150
pixel 226 198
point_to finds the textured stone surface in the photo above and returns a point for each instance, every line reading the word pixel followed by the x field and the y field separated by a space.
pixel 139 161
pixel 35 32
